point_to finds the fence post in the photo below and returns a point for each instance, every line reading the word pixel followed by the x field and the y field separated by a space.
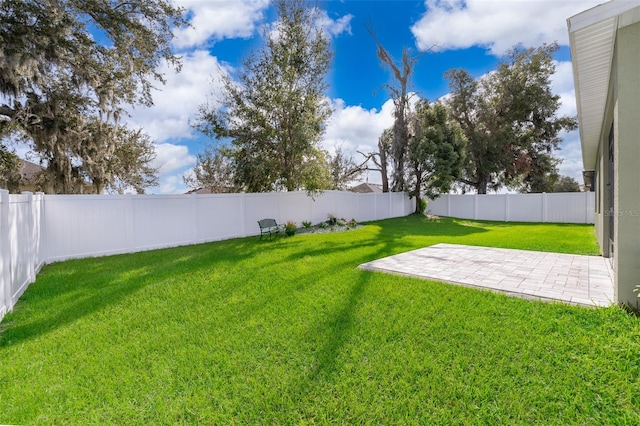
pixel 544 207
pixel 243 213
pixel 32 238
pixel 129 219
pixel 475 206
pixel 586 207
pixel 375 206
pixel 194 222
pixel 39 196
pixel 506 207
pixel 5 255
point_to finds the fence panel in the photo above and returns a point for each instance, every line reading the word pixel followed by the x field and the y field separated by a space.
pixel 526 208
pixel 568 207
pixel 571 207
pixel 293 206
pixel 439 206
pixel 5 255
pixel 260 206
pixel 383 206
pixel 492 207
pixel 462 207
pixel 366 207
pixel 84 225
pixel 90 224
pixel 20 245
pixel 162 221
pixel 220 217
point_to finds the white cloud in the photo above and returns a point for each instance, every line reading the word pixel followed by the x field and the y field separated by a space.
pixel 355 128
pixel 570 149
pixel 169 184
pixel 323 22
pixel 170 157
pixel 571 155
pixel 177 102
pixel 216 20
pixel 333 27
pixel 562 85
pixel 496 25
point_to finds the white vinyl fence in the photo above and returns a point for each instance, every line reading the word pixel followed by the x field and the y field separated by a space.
pixel 37 229
pixel 95 225
pixel 21 237
pixel 566 207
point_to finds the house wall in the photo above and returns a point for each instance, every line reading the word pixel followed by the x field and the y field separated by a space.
pixel 602 202
pixel 626 212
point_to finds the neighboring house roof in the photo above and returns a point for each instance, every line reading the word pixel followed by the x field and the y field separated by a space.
pixel 592 35
pixel 29 170
pixel 364 188
pixel 207 190
pixel 199 191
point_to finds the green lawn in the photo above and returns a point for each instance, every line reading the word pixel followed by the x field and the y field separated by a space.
pixel 290 332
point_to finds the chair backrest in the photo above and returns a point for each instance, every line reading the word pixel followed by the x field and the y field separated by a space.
pixel 267 223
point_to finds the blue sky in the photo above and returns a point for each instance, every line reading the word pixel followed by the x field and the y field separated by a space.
pixel 471 34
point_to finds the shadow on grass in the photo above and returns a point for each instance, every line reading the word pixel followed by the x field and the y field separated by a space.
pixel 389 240
pixel 418 225
pixel 67 292
pixel 78 288
pixel 337 330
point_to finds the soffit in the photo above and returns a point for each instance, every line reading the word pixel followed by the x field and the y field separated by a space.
pixel 592 36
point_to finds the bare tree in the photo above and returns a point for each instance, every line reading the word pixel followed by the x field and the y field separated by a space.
pixel 381 158
pixel 344 169
pixel 399 92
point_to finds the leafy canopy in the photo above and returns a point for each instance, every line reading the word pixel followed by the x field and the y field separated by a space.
pixel 509 118
pixel 436 150
pixel 274 114
pixel 65 64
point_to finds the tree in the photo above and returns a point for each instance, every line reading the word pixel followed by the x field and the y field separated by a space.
pixel 64 63
pixel 566 184
pixel 43 41
pixel 509 118
pixel 275 113
pixel 344 170
pixel 9 168
pixel 214 171
pixel 381 158
pixel 541 175
pixel 436 151
pixel 399 92
pixel 79 148
pixel 117 159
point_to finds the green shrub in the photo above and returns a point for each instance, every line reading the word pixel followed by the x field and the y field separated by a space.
pixel 423 205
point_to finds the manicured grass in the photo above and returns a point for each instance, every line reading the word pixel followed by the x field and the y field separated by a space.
pixel 290 332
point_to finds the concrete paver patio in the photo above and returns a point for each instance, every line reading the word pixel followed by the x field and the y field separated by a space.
pixel 581 280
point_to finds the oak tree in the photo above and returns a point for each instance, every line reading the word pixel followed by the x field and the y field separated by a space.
pixel 509 117
pixel 66 63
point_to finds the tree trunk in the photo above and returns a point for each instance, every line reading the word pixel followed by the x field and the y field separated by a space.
pixel 417 189
pixel 383 168
pixel 482 185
